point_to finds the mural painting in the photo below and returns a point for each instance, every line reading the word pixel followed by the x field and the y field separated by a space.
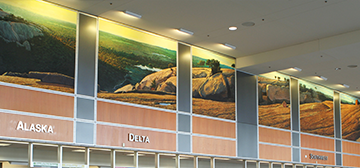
pixel 274 100
pixel 136 67
pixel 213 84
pixel 37 45
pixel 316 109
pixel 350 114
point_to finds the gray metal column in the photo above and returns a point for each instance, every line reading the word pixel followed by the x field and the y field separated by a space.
pixel 87 51
pixel 85 89
pixel 337 115
pixel 337 129
pixel 295 119
pixel 244 163
pixel 247 115
pixel 184 78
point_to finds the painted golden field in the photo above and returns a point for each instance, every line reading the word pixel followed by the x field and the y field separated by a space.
pixel 148 99
pixel 317 118
pixel 36 83
pixel 213 108
pixel 275 115
pixel 350 115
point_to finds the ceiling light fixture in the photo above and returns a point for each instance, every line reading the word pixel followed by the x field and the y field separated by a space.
pixel 322 77
pixel 132 14
pixel 78 150
pixel 352 66
pixel 139 154
pixel 298 69
pixel 229 46
pixel 345 85
pixel 232 28
pixel 186 31
pixel 248 24
pixel 4 144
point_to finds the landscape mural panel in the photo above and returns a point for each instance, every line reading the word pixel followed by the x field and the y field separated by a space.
pixel 213 84
pixel 350 114
pixel 274 100
pixel 136 67
pixel 316 109
pixel 37 45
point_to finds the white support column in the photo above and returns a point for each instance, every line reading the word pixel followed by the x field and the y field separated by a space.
pixel 136 159
pixel 157 160
pixel 294 166
pixel 60 156
pixel 196 162
pixel 271 164
pixel 177 161
pixel 31 154
pixel 212 162
pixel 113 158
pixel 282 165
pixel 87 157
pixel 257 164
pixel 244 163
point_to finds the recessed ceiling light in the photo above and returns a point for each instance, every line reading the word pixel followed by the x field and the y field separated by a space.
pixel 297 69
pixel 322 77
pixel 345 85
pixel 352 66
pixel 185 31
pixel 232 28
pixel 229 46
pixel 78 150
pixel 248 24
pixel 129 13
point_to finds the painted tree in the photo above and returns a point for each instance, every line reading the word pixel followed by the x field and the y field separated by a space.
pixel 214 65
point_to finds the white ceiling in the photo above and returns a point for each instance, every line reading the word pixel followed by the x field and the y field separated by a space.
pixel 315 35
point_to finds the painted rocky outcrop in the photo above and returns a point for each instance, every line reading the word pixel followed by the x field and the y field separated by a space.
pixel 220 86
pixel 273 91
pixel 19 33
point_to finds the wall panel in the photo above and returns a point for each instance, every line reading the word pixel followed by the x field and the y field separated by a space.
pixel 308 141
pixel 62 129
pixel 119 136
pixel 305 157
pixel 213 146
pixel 36 102
pixel 351 161
pixel 274 136
pixel 124 114
pixel 271 152
pixel 213 127
pixel 351 147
